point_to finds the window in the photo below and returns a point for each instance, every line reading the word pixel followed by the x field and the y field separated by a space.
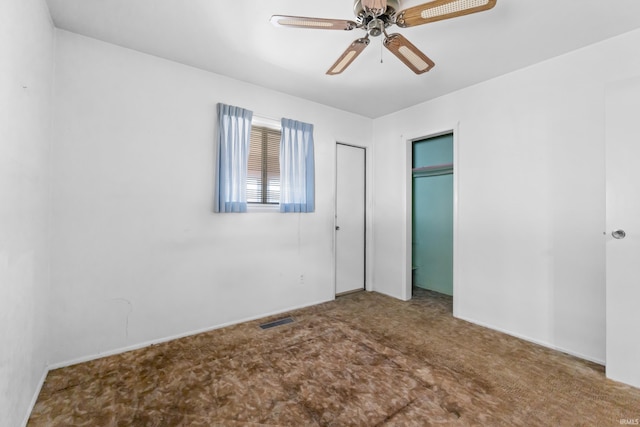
pixel 263 173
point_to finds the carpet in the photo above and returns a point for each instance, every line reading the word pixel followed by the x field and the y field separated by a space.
pixel 362 360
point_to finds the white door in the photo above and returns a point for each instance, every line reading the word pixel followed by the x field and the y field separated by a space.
pixel 623 213
pixel 350 218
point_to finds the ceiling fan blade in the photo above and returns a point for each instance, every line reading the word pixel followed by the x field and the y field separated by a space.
pixel 316 23
pixel 438 10
pixel 348 56
pixel 408 53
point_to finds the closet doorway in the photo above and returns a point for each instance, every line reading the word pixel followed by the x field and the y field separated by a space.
pixel 432 213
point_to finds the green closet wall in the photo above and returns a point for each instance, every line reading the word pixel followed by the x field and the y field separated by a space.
pixel 432 236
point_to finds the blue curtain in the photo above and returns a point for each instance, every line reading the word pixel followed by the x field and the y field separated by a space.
pixel 296 167
pixel 233 135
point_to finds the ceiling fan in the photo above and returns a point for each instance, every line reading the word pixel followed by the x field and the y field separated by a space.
pixel 375 16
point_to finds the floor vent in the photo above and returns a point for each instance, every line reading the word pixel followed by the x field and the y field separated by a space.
pixel 278 322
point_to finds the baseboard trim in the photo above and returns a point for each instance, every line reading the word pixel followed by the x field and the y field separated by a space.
pixel 535 341
pixel 144 344
pixel 36 394
pixel 355 291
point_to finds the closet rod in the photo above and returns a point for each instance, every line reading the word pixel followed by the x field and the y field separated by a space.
pixel 433 168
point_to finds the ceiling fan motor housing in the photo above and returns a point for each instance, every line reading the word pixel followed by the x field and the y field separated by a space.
pixel 392 8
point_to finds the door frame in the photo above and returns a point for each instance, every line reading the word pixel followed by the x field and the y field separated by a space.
pixel 335 217
pixel 620 351
pixel 408 251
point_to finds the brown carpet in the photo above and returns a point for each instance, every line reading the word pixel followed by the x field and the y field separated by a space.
pixel 362 360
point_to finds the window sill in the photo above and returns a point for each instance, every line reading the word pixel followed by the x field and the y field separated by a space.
pixel 256 207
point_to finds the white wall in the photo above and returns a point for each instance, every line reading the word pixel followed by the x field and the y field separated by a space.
pixel 531 212
pixel 139 255
pixel 26 66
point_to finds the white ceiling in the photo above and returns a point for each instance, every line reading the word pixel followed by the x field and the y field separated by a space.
pixel 234 38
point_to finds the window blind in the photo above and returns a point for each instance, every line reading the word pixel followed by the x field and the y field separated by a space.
pixel 263 172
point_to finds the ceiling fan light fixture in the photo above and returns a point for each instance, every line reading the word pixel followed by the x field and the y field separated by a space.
pixel 374 7
pixel 375 27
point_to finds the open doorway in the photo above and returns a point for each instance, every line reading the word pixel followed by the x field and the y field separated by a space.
pixel 432 179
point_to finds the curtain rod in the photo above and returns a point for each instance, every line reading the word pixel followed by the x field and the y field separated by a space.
pixel 262 116
pixel 268 122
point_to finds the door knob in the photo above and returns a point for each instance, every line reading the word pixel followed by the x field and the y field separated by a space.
pixel 337 227
pixel 618 234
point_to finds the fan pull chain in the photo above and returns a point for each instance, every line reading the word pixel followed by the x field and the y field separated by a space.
pixel 381 51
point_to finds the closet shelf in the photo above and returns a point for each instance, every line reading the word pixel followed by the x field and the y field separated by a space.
pixel 435 170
